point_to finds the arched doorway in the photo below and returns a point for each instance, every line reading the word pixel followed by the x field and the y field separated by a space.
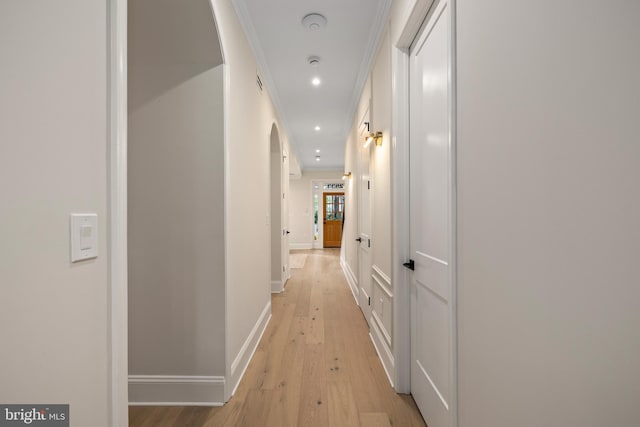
pixel 278 232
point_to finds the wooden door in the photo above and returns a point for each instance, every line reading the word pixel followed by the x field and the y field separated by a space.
pixel 332 219
pixel 431 233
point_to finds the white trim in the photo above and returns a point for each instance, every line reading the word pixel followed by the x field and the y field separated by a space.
pixel 453 244
pixel 227 214
pixel 117 235
pixel 413 22
pixel 433 385
pixel 378 283
pixel 176 390
pixel 300 246
pixel 400 219
pixel 215 404
pixel 434 259
pixel 377 30
pixel 277 286
pixel 382 330
pixel 242 359
pixel 254 43
pixel 380 277
pixel 351 279
pixel 385 355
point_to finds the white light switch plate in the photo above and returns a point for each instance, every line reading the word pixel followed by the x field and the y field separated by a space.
pixel 84 236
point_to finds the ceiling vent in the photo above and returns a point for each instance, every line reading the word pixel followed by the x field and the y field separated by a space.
pixel 314 22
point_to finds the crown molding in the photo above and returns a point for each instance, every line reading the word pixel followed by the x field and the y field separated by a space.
pixel 377 30
pixel 258 52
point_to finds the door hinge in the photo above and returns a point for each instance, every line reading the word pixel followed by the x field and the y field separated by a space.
pixel 369 242
pixel 368 185
pixel 411 265
pixel 369 300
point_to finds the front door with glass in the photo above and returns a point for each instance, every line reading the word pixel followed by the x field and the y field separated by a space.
pixel 332 219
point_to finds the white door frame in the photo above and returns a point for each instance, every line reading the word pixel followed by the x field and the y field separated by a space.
pixel 117 234
pixel 400 197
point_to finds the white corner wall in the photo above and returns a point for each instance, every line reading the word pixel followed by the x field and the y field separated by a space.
pixel 176 206
pixel 53 161
pixel 548 209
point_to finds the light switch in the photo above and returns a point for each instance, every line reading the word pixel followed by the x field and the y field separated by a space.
pixel 86 233
pixel 84 236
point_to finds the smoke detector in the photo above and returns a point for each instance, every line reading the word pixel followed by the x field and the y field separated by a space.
pixel 313 61
pixel 314 22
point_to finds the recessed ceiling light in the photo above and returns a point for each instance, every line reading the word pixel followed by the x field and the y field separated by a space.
pixel 315 81
pixel 317 128
pixel 317 151
pixel 317 158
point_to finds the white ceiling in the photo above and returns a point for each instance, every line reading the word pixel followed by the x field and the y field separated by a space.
pixel 345 46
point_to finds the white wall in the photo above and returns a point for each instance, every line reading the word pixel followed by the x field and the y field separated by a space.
pixel 176 210
pixel 382 288
pixel 548 208
pixel 53 161
pixel 377 98
pixel 381 158
pixel 353 147
pixel 250 117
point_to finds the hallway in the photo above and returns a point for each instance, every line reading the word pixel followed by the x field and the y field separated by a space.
pixel 315 365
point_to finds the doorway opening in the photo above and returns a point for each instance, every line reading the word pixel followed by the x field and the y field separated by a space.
pixel 277 230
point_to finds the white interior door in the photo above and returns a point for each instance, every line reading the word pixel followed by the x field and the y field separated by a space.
pixel 432 290
pixel 364 223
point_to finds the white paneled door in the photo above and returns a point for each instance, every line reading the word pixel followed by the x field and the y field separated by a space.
pixel 431 235
pixel 364 223
pixel 364 232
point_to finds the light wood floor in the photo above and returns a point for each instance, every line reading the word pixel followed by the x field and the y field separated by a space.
pixel 315 365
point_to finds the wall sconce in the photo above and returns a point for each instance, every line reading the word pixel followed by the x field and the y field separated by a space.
pixel 346 175
pixel 377 137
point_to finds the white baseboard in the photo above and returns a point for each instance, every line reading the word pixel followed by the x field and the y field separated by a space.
pixel 176 390
pixel 277 286
pixel 300 246
pixel 351 280
pixel 242 359
pixel 383 350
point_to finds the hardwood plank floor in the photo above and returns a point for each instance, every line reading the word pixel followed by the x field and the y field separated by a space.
pixel 315 365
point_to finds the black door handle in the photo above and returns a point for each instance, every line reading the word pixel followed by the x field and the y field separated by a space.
pixel 411 265
pixel 288 232
pixel 359 239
